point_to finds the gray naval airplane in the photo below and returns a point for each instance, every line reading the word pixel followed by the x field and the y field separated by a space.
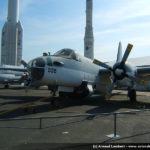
pixel 71 74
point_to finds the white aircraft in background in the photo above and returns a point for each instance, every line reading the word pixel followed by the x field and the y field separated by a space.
pixel 74 75
pixel 11 77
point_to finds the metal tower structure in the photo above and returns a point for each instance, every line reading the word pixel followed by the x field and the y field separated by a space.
pixel 89 38
pixel 12 36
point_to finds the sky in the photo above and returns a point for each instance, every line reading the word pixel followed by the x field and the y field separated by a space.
pixel 51 25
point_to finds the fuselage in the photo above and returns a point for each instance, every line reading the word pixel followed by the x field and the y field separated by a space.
pixel 64 69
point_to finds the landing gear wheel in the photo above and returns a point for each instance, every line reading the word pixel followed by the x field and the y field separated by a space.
pixel 81 93
pixel 52 93
pixel 132 95
pixel 63 94
pixel 6 86
pixel 55 103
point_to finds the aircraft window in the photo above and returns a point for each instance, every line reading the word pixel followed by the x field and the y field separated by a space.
pixel 39 62
pixel 64 52
pixel 69 53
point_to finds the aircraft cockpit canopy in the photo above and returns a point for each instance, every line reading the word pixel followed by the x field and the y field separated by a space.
pixel 68 53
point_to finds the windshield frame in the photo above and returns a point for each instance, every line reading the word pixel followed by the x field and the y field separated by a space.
pixel 73 54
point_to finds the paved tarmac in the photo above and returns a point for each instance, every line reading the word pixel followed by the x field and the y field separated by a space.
pixel 70 133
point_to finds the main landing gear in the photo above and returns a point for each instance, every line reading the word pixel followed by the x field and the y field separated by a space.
pixel 6 86
pixel 132 95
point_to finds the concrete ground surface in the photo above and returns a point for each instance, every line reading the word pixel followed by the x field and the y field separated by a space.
pixel 70 133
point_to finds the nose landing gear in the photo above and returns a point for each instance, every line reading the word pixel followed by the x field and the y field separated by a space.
pixel 55 101
pixel 6 86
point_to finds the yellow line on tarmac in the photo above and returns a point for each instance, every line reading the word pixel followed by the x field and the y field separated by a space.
pixel 25 105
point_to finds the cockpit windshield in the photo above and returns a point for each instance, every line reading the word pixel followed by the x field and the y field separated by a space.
pixel 64 52
pixel 38 62
pixel 68 53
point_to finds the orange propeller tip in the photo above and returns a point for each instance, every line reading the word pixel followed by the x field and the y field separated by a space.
pixel 130 45
pixel 95 61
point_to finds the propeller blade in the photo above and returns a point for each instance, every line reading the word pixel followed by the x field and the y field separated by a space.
pixel 108 95
pixel 97 62
pixel 112 87
pixel 126 54
pixel 119 54
pixel 137 80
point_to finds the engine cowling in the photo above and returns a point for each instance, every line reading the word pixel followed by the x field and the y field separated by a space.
pixel 103 83
pixel 83 90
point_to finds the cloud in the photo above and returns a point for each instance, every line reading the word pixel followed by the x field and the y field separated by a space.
pixel 49 28
pixel 123 11
pixel 48 24
pixel 25 4
pixel 141 47
pixel 106 32
pixel 48 39
pixel 3 12
pixel 126 29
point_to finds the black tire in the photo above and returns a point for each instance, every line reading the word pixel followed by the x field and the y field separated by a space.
pixel 132 95
pixel 6 86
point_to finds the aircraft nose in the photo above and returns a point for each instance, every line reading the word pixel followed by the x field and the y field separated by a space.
pixel 36 70
pixel 37 73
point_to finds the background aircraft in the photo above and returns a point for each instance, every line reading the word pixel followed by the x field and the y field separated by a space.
pixel 11 77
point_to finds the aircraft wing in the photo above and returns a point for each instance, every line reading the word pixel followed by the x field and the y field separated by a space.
pixel 143 72
pixel 104 72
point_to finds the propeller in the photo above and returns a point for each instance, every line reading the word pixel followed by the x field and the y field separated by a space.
pixel 31 75
pixel 95 61
pixel 126 54
pixel 119 70
pixel 28 79
pixel 25 64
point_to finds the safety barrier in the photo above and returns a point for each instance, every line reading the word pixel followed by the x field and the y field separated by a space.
pixel 114 135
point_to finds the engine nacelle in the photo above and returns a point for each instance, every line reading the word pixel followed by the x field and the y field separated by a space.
pixel 103 83
pixel 124 83
pixel 83 90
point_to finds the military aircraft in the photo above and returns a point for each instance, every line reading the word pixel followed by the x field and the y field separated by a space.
pixel 11 77
pixel 73 75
